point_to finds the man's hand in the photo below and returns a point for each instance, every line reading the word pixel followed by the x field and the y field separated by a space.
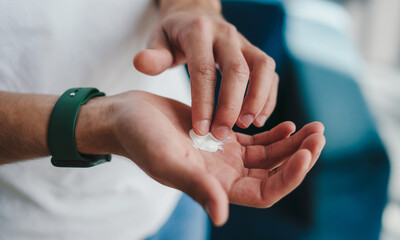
pixel 195 32
pixel 153 132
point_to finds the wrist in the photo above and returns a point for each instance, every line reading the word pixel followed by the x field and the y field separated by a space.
pixel 94 128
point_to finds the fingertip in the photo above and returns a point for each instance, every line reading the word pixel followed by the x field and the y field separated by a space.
pixel 319 139
pixel 220 132
pixel 140 61
pixel 324 141
pixel 208 192
pixel 260 121
pixel 318 126
pixel 294 170
pixel 314 143
pixel 218 211
pixel 153 61
pixel 202 127
pixel 312 128
pixel 288 127
pixel 306 157
pixel 291 126
pixel 245 120
pixel 300 162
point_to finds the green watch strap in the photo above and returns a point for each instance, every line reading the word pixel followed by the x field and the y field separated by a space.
pixel 61 132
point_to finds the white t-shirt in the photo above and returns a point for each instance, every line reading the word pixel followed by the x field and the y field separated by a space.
pixel 47 47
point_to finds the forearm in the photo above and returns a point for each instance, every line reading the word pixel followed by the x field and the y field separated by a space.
pixel 24 120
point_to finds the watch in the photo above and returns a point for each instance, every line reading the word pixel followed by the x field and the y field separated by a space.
pixel 61 131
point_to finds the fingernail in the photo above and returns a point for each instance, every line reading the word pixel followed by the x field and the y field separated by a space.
pixel 246 120
pixel 203 127
pixel 221 132
pixel 261 120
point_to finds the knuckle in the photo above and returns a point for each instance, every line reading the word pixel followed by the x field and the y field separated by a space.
pixel 198 29
pixel 200 23
pixel 203 102
pixel 182 37
pixel 206 71
pixel 267 61
pixel 228 29
pixel 240 69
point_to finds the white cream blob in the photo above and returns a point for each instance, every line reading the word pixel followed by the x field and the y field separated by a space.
pixel 206 143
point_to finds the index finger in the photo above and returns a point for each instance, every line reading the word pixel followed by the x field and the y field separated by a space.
pixel 235 75
pixel 202 71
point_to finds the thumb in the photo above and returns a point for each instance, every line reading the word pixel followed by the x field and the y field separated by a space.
pixel 157 58
pixel 208 192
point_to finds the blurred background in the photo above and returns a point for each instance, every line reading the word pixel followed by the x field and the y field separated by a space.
pixel 339 63
pixel 375 27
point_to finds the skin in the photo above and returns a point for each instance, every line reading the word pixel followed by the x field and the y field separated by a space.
pixel 195 32
pixel 135 124
pixel 239 174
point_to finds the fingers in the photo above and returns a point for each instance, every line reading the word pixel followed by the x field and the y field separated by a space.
pixel 235 75
pixel 269 105
pixel 314 143
pixel 265 192
pixel 195 45
pixel 234 63
pixel 196 42
pixel 208 192
pixel 261 93
pixel 157 58
pixel 269 156
pixel 203 77
pixel 279 132
pixel 288 178
pixel 263 83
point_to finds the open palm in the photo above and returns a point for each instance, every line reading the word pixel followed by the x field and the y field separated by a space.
pixel 153 132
